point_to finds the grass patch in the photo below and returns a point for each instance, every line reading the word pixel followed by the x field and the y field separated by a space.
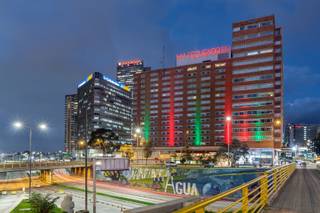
pixel 24 205
pixel 108 195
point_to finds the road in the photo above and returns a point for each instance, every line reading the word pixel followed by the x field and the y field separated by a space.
pixel 301 194
pixel 113 197
pixel 103 204
pixel 117 190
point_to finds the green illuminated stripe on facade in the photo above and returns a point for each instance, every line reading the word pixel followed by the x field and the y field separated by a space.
pixel 258 135
pixel 147 126
pixel 197 141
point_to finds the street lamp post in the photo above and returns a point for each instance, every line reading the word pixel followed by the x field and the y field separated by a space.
pixel 94 168
pixel 86 162
pixel 41 126
pixel 228 120
pixel 137 135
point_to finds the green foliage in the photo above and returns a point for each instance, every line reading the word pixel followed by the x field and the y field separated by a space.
pixel 103 139
pixel 24 205
pixel 147 150
pixel 238 150
pixel 42 203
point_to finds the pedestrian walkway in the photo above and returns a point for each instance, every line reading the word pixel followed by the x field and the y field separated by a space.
pixel 301 194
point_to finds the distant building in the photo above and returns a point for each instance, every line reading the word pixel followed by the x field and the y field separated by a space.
pixel 70 122
pixel 104 103
pixel 127 69
pixel 301 134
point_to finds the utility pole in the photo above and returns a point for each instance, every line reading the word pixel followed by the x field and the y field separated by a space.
pixel 94 185
pixel 86 162
pixel 30 161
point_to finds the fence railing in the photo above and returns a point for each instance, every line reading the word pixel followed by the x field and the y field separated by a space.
pixel 40 164
pixel 249 197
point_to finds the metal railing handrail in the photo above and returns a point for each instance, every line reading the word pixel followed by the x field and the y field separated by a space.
pixel 267 185
pixel 13 165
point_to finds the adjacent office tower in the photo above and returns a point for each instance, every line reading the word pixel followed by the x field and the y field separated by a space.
pixel 220 99
pixel 126 70
pixel 301 134
pixel 104 103
pixel 70 122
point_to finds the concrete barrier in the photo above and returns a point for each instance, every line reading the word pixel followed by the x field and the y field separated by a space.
pixel 166 207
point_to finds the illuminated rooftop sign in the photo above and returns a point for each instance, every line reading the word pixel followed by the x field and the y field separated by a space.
pixel 130 63
pixel 85 81
pixel 106 79
pixel 199 56
pixel 116 83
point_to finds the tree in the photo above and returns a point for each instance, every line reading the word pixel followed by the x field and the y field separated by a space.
pixel 42 203
pixel 238 150
pixel 220 156
pixel 104 139
pixel 147 150
pixel 127 151
pixel 187 153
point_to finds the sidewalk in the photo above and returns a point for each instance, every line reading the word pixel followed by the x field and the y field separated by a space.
pixel 9 202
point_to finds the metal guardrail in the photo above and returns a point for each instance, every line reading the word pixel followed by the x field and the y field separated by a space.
pixel 249 197
pixel 40 164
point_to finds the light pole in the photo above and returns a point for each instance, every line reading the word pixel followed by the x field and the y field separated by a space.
pixel 42 127
pixel 228 121
pixel 95 163
pixel 137 135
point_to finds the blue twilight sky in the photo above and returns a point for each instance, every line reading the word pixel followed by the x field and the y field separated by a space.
pixel 48 46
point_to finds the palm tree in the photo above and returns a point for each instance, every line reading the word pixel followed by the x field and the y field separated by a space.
pixel 147 150
pixel 42 203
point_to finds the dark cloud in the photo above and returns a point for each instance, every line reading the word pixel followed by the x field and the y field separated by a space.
pixel 305 110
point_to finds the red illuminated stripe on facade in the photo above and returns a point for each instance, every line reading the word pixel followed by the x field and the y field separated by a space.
pixel 228 107
pixel 171 114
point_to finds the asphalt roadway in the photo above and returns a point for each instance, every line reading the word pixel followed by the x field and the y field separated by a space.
pixel 301 194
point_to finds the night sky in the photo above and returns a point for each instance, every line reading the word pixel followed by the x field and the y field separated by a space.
pixel 48 47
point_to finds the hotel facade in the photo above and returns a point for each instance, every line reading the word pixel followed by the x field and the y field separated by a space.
pixel 217 95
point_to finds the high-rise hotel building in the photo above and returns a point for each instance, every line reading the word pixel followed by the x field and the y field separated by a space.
pixel 231 94
pixel 104 103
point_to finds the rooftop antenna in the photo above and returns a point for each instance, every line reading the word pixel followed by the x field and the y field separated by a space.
pixel 163 58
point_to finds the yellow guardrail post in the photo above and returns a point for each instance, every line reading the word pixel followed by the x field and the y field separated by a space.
pixel 264 189
pixel 245 200
pixel 275 180
pixel 201 210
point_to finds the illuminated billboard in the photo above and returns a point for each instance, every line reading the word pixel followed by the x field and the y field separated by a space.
pixel 126 88
pixel 198 56
pixel 130 63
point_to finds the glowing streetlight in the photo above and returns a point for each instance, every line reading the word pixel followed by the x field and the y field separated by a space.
pixel 137 135
pixel 43 126
pixel 138 130
pixel 20 125
pixel 17 124
pixel 277 122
